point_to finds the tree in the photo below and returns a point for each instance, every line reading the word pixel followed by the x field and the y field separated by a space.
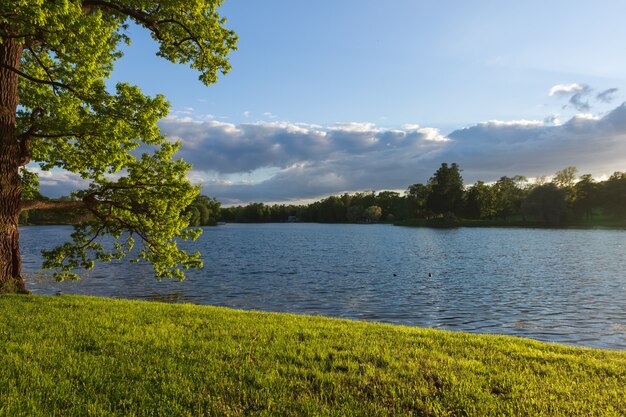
pixel 508 195
pixel 479 201
pixel 355 214
pixel 55 110
pixel 204 211
pixel 373 213
pixel 253 213
pixel 365 199
pixel 417 195
pixel 545 203
pixel 393 205
pixel 614 195
pixel 585 193
pixel 446 194
pixel 332 210
pixel 566 177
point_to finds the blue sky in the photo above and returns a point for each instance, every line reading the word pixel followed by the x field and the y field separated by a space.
pixel 345 95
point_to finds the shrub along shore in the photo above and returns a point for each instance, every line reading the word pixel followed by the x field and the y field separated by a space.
pixel 73 355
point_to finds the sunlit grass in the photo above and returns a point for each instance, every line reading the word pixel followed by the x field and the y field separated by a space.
pixel 70 355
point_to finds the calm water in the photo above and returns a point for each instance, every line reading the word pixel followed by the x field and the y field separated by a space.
pixel 566 286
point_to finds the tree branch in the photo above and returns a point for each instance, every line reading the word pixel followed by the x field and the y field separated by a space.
pixel 185 28
pixel 140 15
pixel 59 135
pixel 46 70
pixel 146 19
pixel 37 80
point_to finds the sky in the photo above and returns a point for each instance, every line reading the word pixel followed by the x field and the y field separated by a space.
pixel 327 97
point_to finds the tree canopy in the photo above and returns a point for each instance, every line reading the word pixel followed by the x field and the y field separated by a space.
pixel 446 190
pixel 56 111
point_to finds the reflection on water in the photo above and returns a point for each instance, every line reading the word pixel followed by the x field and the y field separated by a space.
pixel 566 286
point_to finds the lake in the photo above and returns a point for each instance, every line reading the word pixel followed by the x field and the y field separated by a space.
pixel 565 286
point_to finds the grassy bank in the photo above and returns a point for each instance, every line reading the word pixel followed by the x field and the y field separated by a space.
pixel 81 356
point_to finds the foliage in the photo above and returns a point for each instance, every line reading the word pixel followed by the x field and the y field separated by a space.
pixel 30 185
pixel 254 213
pixel 479 202
pixel 417 196
pixel 500 203
pixel 204 211
pixel 585 196
pixel 67 118
pixel 77 356
pixel 613 195
pixel 373 213
pixel 565 178
pixel 446 190
pixel 127 211
pixel 507 196
pixel 508 201
pixel 55 215
pixel 351 208
pixel 355 214
pixel 392 205
pixel 545 203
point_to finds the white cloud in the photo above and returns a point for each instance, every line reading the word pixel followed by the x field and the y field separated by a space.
pixel 566 89
pixel 586 116
pixel 355 127
pixel 518 123
pixel 57 182
pixel 578 95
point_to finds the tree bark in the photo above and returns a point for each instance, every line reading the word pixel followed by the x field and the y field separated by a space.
pixel 10 156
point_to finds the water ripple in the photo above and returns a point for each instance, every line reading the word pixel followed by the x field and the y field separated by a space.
pixel 566 286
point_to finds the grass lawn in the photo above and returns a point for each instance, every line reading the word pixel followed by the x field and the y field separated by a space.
pixel 81 356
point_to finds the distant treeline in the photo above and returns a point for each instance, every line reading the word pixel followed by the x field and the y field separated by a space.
pixel 566 199
pixel 203 211
pixel 53 216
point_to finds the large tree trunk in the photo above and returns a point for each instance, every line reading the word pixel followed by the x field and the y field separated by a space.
pixel 10 159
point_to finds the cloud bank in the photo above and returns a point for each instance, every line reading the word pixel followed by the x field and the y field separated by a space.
pixel 312 161
pixel 593 144
pixel 280 161
pixel 308 160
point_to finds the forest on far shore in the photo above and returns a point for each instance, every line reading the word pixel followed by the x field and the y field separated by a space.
pixel 565 199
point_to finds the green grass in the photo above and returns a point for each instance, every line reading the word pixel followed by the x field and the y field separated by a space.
pixel 81 356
